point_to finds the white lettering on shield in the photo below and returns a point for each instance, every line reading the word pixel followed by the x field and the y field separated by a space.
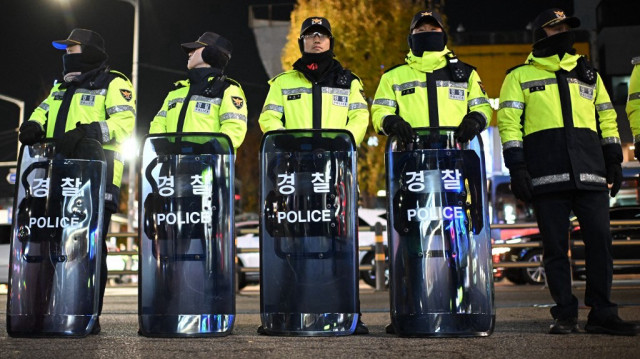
pixel 305 216
pixel 53 222
pixel 435 213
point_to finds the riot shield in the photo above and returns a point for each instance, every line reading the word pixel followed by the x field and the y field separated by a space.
pixel 187 252
pixel 308 233
pixel 55 246
pixel 441 281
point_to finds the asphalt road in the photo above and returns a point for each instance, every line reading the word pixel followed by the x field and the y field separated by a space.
pixel 522 321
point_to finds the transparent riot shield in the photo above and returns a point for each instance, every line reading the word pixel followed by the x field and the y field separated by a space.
pixel 441 280
pixel 55 246
pixel 308 233
pixel 187 262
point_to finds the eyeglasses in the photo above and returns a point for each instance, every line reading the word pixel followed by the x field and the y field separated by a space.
pixel 312 35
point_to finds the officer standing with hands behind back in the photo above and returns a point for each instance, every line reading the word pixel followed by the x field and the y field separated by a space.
pixel 561 144
pixel 432 89
pixel 93 102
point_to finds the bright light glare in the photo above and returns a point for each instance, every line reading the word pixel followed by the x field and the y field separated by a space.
pixel 130 149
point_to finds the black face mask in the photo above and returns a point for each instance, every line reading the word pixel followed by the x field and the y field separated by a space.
pixel 89 59
pixel 558 44
pixel 314 65
pixel 427 41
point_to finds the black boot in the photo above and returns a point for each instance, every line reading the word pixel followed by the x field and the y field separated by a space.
pixel 96 327
pixel 361 328
pixel 613 325
pixel 564 326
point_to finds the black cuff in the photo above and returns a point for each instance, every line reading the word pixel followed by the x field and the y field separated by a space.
pixel 387 123
pixel 479 118
pixel 612 154
pixel 514 158
pixel 93 131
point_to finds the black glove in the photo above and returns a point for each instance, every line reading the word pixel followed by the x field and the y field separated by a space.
pixel 30 132
pixel 471 125
pixel 521 185
pixel 68 143
pixel 395 125
pixel 612 159
pixel 614 178
pixel 636 151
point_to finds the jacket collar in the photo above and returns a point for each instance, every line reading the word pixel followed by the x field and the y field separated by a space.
pixel 429 61
pixel 554 63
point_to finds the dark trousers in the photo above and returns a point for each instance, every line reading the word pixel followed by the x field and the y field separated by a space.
pixel 592 210
pixel 103 263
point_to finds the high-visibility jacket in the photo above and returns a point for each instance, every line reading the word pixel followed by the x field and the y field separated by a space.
pixel 555 117
pixel 101 96
pixel 435 90
pixel 223 110
pixel 336 102
pixel 633 101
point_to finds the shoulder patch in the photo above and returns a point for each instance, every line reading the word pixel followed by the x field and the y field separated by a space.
pixel 515 67
pixel 238 102
pixel 126 94
pixel 394 67
pixel 635 60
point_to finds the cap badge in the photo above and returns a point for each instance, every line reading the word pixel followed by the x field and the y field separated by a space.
pixel 427 13
pixel 316 21
pixel 559 14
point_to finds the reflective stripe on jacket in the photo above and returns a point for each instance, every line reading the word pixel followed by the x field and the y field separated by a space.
pixel 425 93
pixel 337 102
pixel 226 114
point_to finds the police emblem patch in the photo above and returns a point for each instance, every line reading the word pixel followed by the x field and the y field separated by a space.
pixel 339 100
pixel 238 102
pixel 126 94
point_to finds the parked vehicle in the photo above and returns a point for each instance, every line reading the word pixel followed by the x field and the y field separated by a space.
pixel 367 217
pixel 536 275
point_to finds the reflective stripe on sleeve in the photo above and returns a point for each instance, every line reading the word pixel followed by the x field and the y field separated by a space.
pixel 233 115
pixel 477 101
pixel 512 144
pixel 604 106
pixel 272 107
pixel 357 106
pixel 104 130
pixel 511 104
pixel 385 102
pixel 610 140
pixel 120 108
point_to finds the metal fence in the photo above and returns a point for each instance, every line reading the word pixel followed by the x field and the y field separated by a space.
pixel 380 255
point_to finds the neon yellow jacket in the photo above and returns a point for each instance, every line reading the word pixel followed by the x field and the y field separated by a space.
pixel 633 101
pixel 101 96
pixel 426 93
pixel 337 102
pixel 226 114
pixel 568 119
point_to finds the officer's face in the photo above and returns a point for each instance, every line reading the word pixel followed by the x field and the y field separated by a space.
pixel 75 49
pixel 556 29
pixel 426 27
pixel 195 59
pixel 316 42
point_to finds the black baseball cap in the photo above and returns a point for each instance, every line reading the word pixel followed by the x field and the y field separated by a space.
pixel 554 16
pixel 315 21
pixel 425 15
pixel 81 37
pixel 209 39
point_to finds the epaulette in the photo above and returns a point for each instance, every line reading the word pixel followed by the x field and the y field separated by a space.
pixel 393 67
pixel 515 67
pixel 635 60
pixel 119 74
pixel 282 73
pixel 232 82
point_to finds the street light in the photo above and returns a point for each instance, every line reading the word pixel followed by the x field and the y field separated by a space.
pixel 20 105
pixel 134 81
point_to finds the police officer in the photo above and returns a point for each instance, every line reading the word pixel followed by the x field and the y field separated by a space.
pixel 633 105
pixel 214 102
pixel 312 94
pixel 93 102
pixel 561 144
pixel 317 93
pixel 432 89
